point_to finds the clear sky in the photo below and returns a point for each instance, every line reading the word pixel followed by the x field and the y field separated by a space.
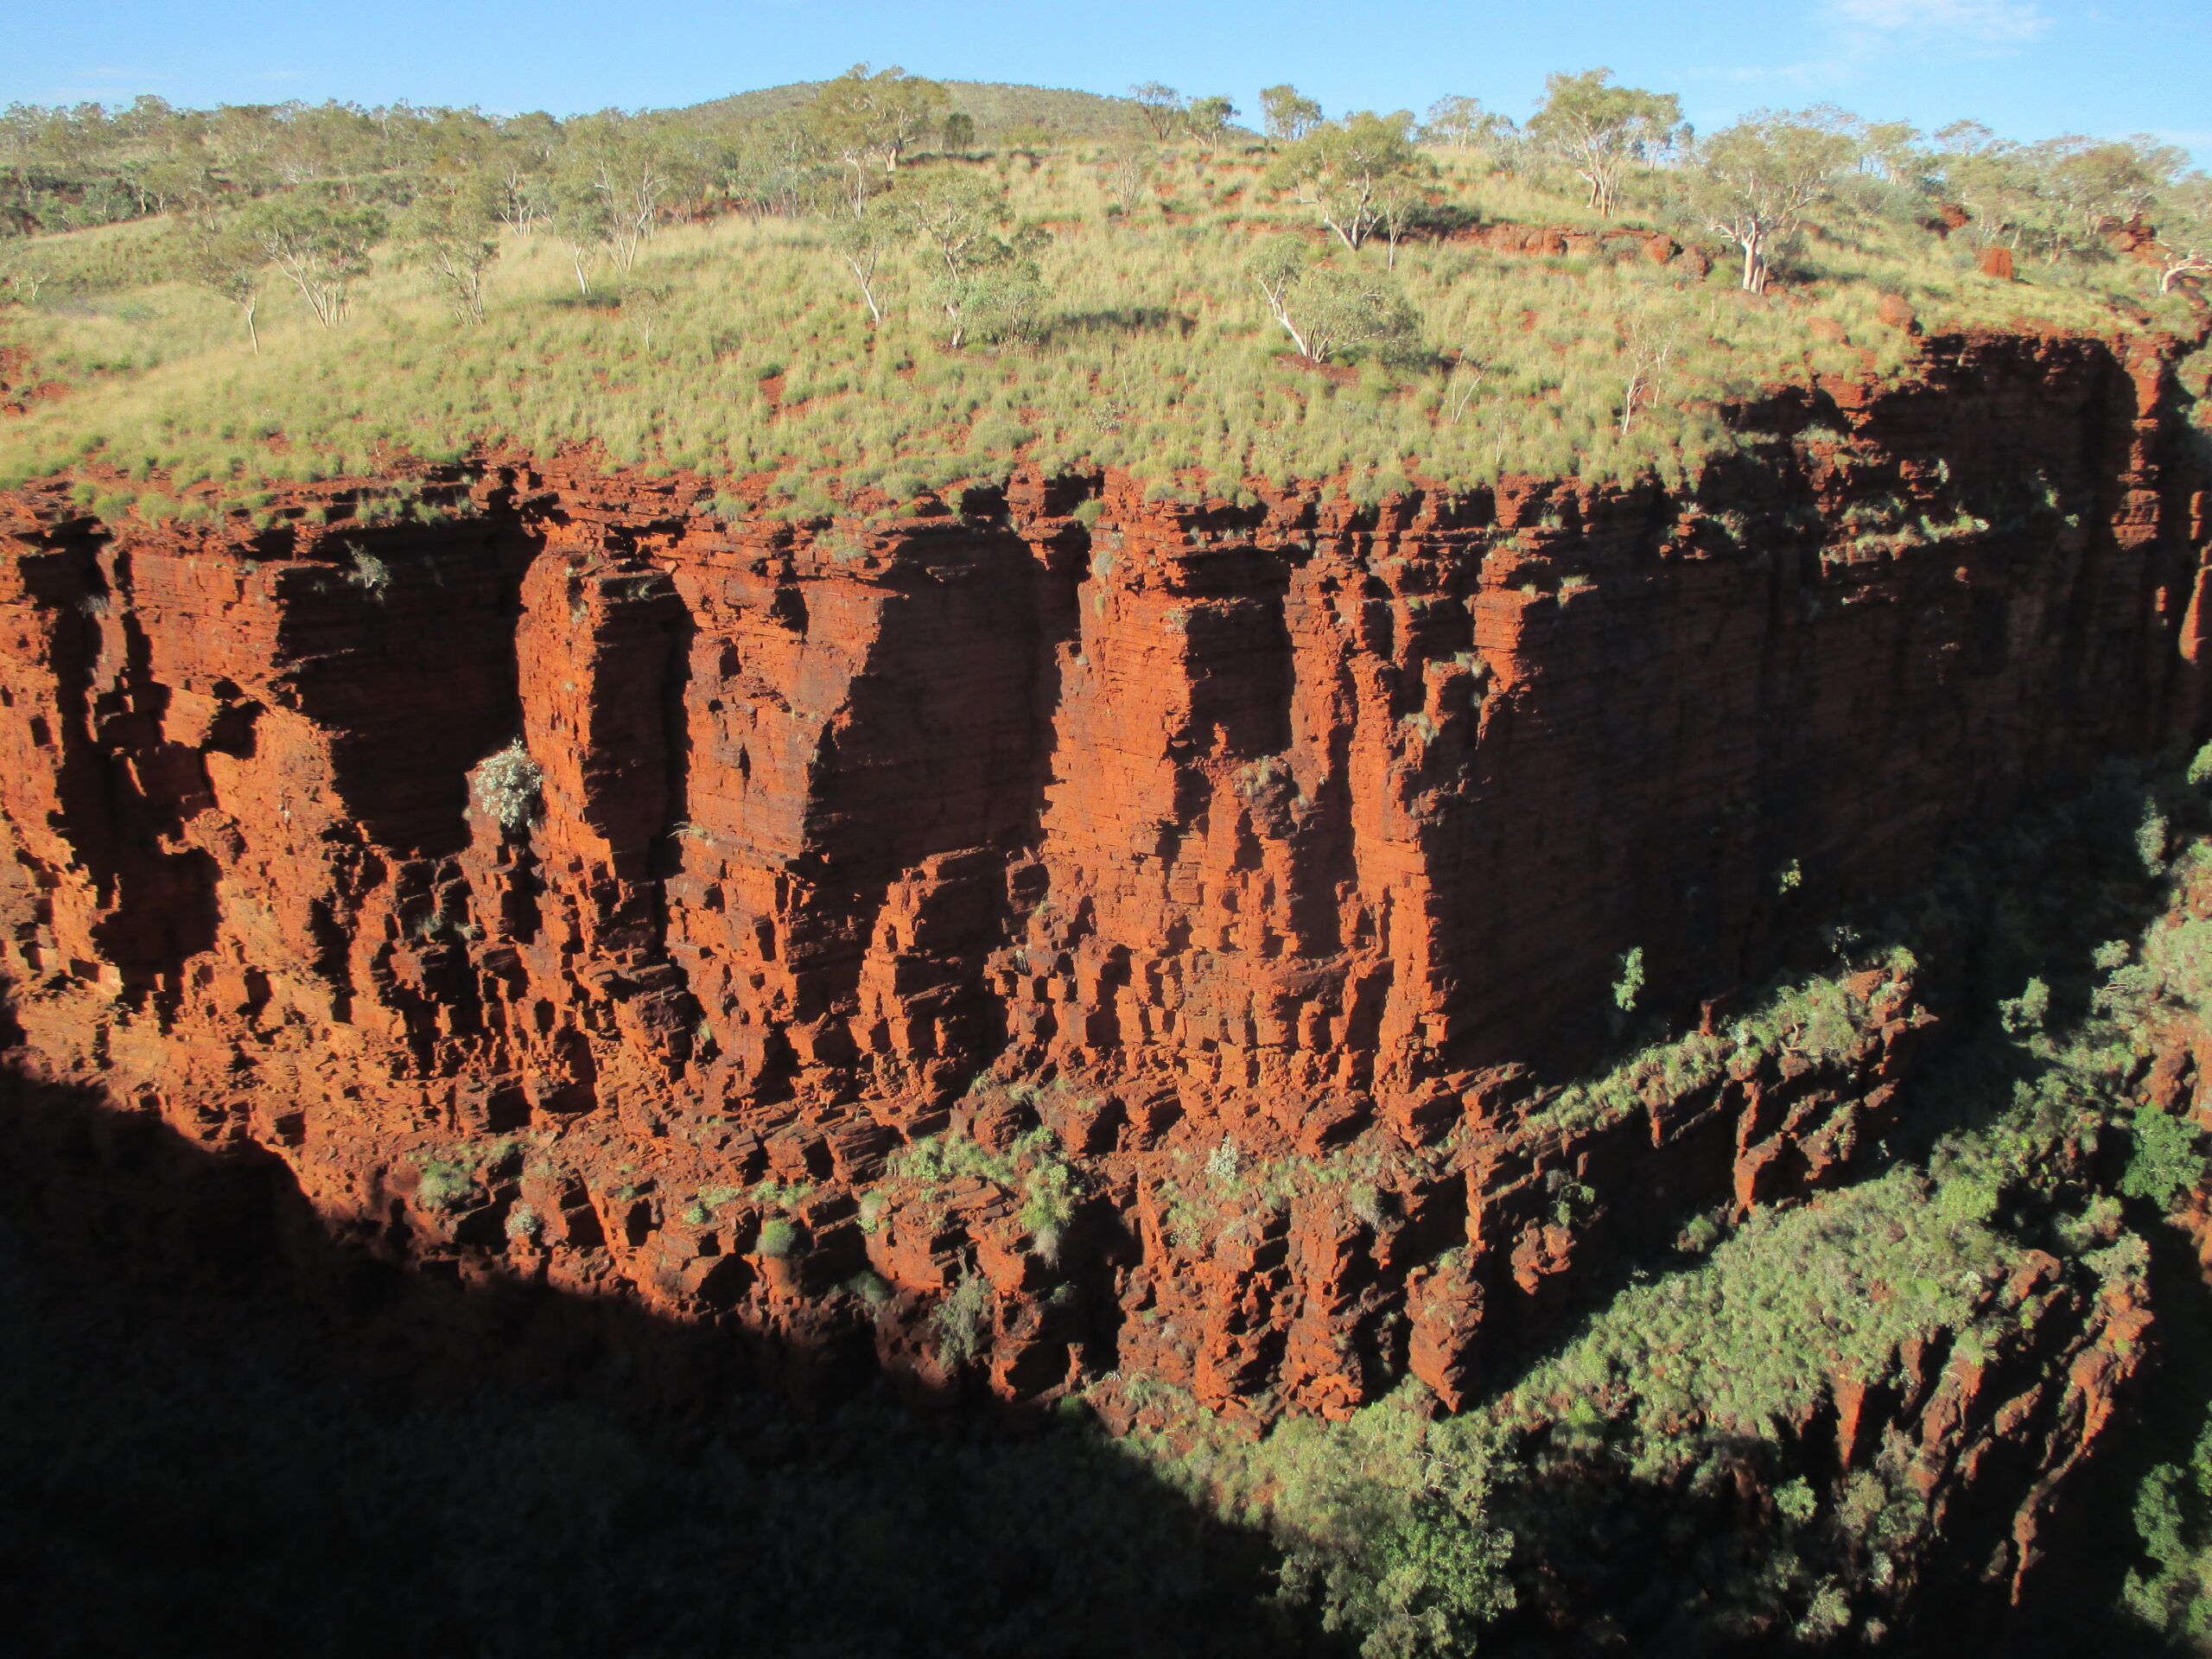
pixel 2030 68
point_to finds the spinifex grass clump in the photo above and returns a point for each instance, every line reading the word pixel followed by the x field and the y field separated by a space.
pixel 1149 346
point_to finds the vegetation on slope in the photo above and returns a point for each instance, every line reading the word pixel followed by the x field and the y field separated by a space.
pixel 1604 1491
pixel 1001 115
pixel 837 298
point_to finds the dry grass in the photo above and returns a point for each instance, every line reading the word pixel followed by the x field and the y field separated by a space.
pixel 1153 353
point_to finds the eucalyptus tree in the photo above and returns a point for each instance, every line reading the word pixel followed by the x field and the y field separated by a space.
pixel 1993 181
pixel 1287 114
pixel 869 121
pixel 2114 183
pixel 1346 170
pixel 21 275
pixel 988 286
pixel 1326 311
pixel 1601 130
pixel 1160 108
pixel 645 307
pixel 217 253
pixel 1207 119
pixel 1130 168
pixel 633 166
pixel 860 238
pixel 1460 122
pixel 2183 220
pixel 451 229
pixel 1756 180
pixel 1402 201
pixel 522 160
pixel 321 244
pixel 583 224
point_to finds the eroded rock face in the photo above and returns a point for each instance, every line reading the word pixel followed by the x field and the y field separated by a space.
pixel 1264 855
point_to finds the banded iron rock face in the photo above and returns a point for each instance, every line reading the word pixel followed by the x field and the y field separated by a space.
pixel 1272 857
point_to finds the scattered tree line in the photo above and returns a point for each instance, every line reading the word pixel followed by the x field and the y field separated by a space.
pixel 305 196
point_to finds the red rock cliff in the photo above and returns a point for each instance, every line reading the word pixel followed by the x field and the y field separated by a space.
pixel 1221 840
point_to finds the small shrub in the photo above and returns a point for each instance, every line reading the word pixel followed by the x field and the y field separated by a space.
pixel 1630 985
pixel 2151 839
pixel 1795 1502
pixel 444 1184
pixel 2164 1161
pixel 370 574
pixel 505 786
pixel 962 1321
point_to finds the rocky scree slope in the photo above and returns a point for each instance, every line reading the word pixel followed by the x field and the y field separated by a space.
pixel 1054 933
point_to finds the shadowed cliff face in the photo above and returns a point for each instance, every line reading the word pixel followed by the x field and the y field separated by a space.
pixel 221 1432
pixel 1292 838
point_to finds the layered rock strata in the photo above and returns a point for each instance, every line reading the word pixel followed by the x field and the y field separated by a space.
pixel 572 882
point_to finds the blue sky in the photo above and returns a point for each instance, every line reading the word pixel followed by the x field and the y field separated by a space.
pixel 2030 68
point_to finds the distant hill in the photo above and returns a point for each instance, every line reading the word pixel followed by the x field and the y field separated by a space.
pixel 995 107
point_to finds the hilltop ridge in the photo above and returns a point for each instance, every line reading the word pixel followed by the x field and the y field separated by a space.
pixel 996 108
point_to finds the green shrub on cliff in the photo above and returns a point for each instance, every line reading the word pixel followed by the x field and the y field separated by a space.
pixel 504 787
pixel 2165 1159
pixel 1031 1170
pixel 963 1321
pixel 778 1238
pixel 1672 1421
pixel 2173 1517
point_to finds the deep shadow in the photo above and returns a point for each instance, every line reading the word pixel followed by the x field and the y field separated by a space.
pixel 223 1430
pixel 223 1433
pixel 1610 1560
pixel 2091 1540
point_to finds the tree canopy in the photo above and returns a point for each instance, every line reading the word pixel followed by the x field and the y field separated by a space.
pixel 866 119
pixel 1599 129
pixel 1757 179
pixel 1288 114
pixel 1343 170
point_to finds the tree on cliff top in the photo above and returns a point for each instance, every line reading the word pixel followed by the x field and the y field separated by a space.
pixel 321 245
pixel 2183 218
pixel 1598 128
pixel 1757 178
pixel 871 120
pixel 1326 311
pixel 1159 107
pixel 1342 169
pixel 451 230
pixel 217 255
pixel 1288 114
pixel 988 286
